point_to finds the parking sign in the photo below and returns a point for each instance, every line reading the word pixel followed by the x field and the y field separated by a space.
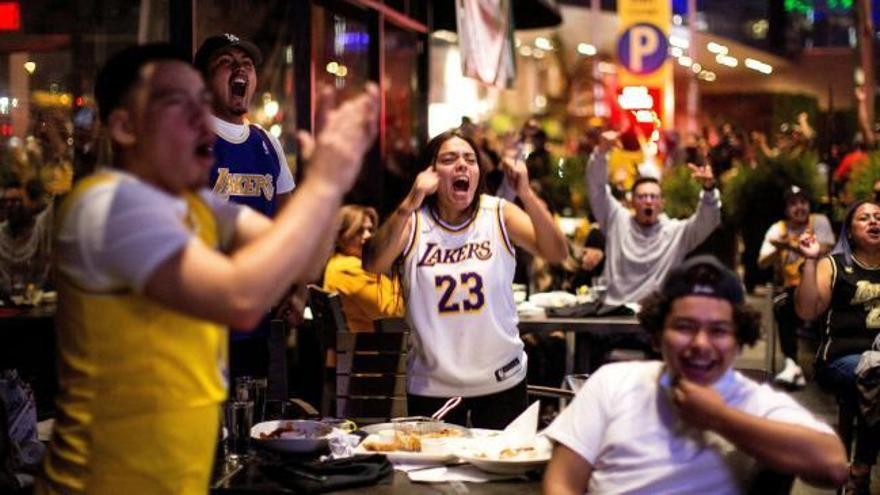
pixel 642 48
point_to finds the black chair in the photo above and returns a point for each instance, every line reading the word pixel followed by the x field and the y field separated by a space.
pixel 328 320
pixel 369 385
pixel 371 374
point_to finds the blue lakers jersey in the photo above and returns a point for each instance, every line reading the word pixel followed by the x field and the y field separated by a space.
pixel 247 172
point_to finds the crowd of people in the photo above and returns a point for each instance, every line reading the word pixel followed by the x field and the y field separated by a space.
pixel 171 262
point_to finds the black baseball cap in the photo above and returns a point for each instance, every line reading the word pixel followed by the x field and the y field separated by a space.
pixel 703 276
pixel 793 192
pixel 223 41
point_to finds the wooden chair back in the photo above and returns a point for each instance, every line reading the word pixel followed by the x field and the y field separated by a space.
pixel 371 373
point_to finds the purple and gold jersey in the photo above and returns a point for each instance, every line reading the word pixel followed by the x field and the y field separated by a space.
pixel 250 171
pixel 459 299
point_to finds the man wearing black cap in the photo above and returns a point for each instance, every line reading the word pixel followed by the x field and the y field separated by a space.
pixel 250 168
pixel 780 250
pixel 691 423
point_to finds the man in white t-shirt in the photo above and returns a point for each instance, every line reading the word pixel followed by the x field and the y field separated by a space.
pixel 688 424
pixel 250 166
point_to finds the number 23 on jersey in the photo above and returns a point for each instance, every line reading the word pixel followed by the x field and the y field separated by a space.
pixel 464 294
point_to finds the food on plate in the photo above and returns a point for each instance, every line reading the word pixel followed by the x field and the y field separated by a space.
pixel 405 441
pixel 510 454
pixel 289 430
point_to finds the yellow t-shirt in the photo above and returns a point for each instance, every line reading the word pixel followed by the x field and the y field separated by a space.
pixel 140 387
pixel 365 296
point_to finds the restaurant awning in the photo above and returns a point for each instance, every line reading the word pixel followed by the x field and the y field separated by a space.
pixel 527 14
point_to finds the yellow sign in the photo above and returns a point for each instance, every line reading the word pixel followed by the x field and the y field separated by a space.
pixel 643 45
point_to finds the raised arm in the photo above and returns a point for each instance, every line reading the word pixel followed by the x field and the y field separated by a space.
pixel 534 229
pixel 390 239
pixel 814 456
pixel 813 294
pixel 708 215
pixel 568 473
pixel 239 288
pixel 596 177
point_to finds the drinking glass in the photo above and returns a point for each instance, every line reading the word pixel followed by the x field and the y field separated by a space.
pixel 239 420
pixel 258 390
pixel 600 287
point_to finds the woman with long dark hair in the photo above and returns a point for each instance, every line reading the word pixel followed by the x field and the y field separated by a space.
pixel 845 286
pixel 455 250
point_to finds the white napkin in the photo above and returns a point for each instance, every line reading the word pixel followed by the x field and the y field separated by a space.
pixel 522 430
pixel 468 473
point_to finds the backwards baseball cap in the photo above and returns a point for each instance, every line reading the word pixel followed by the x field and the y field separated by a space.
pixel 224 41
pixel 703 276
pixel 794 191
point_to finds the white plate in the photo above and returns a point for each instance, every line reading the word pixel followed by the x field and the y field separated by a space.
pixel 402 456
pixel 555 299
pixel 475 454
pixel 310 436
pixel 507 466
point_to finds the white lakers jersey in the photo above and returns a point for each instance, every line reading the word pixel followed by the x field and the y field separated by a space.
pixel 459 304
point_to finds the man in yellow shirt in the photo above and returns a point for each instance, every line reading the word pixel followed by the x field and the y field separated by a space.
pixel 152 268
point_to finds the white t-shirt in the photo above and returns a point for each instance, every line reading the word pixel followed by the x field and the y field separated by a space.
pixel 238 133
pixel 118 232
pixel 623 423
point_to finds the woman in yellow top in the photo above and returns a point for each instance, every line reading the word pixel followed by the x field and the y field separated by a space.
pixel 365 296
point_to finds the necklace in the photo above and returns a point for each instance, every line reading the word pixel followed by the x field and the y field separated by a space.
pixel 868 266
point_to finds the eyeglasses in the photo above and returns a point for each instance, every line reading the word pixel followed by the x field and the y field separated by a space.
pixel 647 197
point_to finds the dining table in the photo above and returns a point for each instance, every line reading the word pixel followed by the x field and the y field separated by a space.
pixel 247 477
pixel 594 332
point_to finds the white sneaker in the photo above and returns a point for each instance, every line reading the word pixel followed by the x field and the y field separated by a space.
pixel 791 376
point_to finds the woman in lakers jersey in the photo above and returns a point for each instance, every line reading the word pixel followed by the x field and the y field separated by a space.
pixel 844 286
pixel 454 248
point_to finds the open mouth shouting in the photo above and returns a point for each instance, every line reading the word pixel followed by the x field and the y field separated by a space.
pixel 461 185
pixel 873 232
pixel 238 85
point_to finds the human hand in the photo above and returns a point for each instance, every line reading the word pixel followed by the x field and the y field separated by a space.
pixel 426 184
pixel 607 140
pixel 698 405
pixel 785 245
pixel 809 246
pixel 306 146
pixel 347 134
pixel 860 93
pixel 517 174
pixel 591 257
pixel 703 175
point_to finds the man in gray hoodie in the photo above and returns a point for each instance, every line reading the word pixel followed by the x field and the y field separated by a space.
pixel 644 244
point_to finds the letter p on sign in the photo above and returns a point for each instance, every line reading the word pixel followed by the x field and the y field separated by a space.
pixel 642 48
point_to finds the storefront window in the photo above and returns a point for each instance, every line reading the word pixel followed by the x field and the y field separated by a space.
pixel 51 53
pixel 342 45
pixel 405 119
